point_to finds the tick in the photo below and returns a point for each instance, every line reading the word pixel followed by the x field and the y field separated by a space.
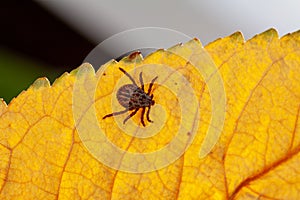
pixel 132 98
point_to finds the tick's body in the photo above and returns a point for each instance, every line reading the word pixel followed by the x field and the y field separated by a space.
pixel 132 97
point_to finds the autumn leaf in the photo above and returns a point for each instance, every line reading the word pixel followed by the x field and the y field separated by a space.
pixel 52 144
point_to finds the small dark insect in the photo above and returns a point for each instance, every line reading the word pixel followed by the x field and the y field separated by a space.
pixel 133 97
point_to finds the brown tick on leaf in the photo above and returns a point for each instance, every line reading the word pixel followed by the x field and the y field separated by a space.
pixel 133 97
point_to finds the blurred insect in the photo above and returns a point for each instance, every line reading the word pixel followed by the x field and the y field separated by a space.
pixel 133 97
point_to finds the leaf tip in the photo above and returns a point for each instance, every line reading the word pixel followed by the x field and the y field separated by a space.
pixel 87 67
pixel 83 68
pixel 41 83
pixel 3 105
pixel 133 57
pixel 194 41
pixel 272 32
pixel 268 34
pixel 237 36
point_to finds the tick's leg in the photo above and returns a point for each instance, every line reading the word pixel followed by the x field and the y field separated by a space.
pixel 151 84
pixel 131 115
pixel 148 117
pixel 141 81
pixel 115 113
pixel 128 75
pixel 142 116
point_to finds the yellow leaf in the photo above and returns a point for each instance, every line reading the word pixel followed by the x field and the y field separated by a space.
pixel 55 144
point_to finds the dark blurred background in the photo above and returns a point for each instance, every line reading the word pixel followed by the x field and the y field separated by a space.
pixel 35 43
pixel 46 38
